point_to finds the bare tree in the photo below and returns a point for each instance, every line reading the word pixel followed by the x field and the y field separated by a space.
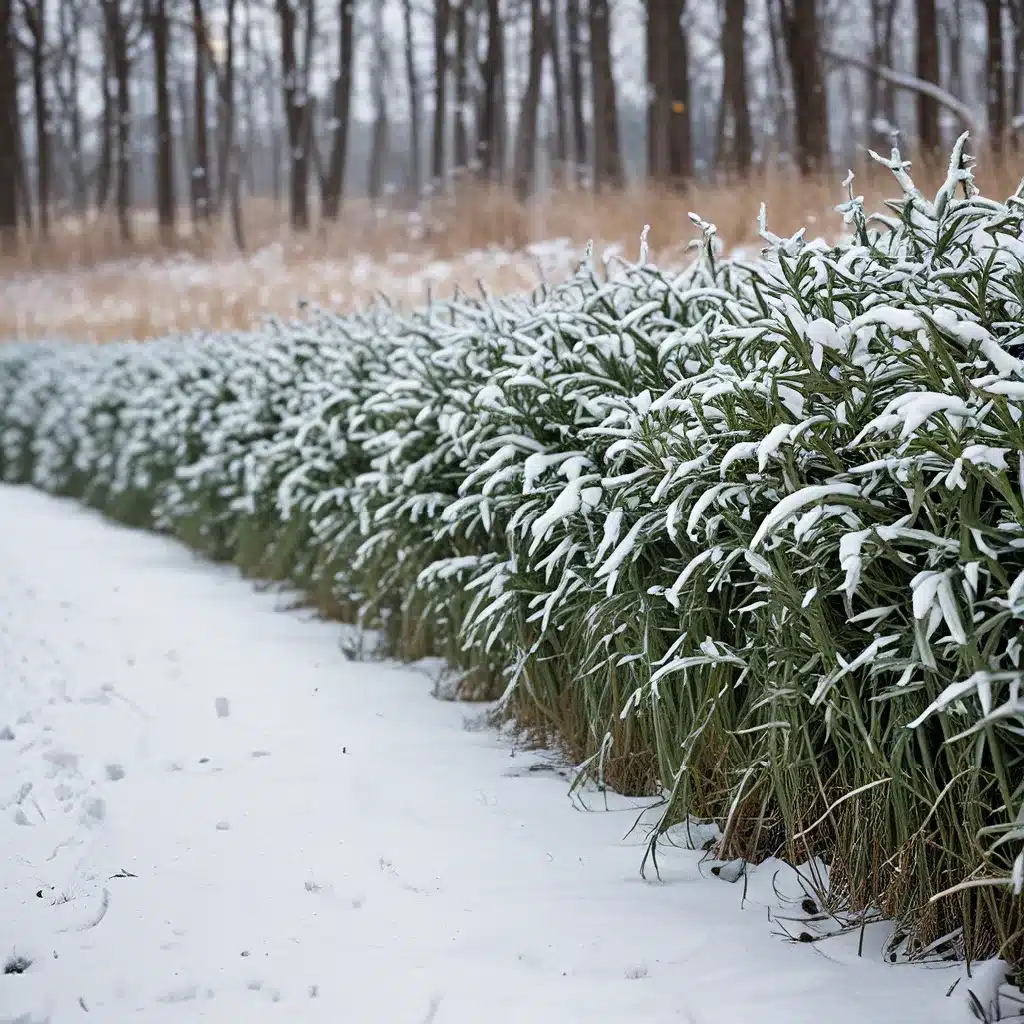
pixel 952 22
pixel 415 145
pixel 928 71
pixel 200 178
pixel 8 130
pixel 461 133
pixel 159 27
pixel 67 86
pixel 801 31
pixel 607 153
pixel 297 111
pixel 995 75
pixel 341 112
pixel 882 96
pixel 736 147
pixel 561 154
pixel 490 143
pixel 442 20
pixel 524 165
pixel 573 25
pixel 229 174
pixel 117 24
pixel 680 141
pixel 1017 73
pixel 35 16
pixel 379 142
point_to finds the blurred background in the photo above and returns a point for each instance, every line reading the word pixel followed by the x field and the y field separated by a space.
pixel 177 163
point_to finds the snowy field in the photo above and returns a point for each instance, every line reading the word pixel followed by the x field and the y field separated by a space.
pixel 151 297
pixel 209 813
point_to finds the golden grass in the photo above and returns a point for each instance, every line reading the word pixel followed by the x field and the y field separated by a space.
pixel 86 283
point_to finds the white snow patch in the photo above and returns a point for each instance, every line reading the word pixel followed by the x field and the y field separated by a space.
pixel 340 847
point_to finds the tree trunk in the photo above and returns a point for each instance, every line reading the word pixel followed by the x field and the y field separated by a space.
pixel 117 33
pixel 680 139
pixel 607 154
pixel 461 154
pixel 956 36
pixel 558 81
pixel 340 114
pixel 882 97
pixel 737 155
pixel 1017 71
pixel 526 135
pixel 780 84
pixel 165 204
pixel 200 179
pixel 273 121
pixel 296 109
pixel 70 35
pixel 490 143
pixel 928 70
pixel 379 142
pixel 225 82
pixel 801 31
pixel 575 45
pixel 573 25
pixel 415 146
pixel 36 21
pixel 8 131
pixel 657 92
pixel 995 81
pixel 442 19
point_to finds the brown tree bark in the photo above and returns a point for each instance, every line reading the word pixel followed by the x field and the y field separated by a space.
pixel 200 179
pixel 460 157
pixel 35 17
pixel 415 144
pixel 379 142
pixel 8 131
pixel 159 27
pixel 607 153
pixel 525 162
pixel 995 78
pixel 554 45
pixel 68 86
pixel 801 29
pixel 296 106
pixel 657 92
pixel 735 153
pixel 680 136
pixel 442 20
pixel 1017 69
pixel 490 146
pixel 117 34
pixel 341 112
pixel 928 70
pixel 882 96
pixel 575 47
pixel 229 178
pixel 105 162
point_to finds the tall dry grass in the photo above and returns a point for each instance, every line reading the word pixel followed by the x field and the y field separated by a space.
pixel 87 283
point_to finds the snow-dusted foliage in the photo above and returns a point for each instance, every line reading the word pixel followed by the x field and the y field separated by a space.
pixel 752 532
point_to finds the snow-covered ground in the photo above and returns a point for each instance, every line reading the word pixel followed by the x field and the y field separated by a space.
pixel 146 298
pixel 209 813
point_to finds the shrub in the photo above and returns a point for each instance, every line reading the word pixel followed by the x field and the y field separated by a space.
pixel 751 533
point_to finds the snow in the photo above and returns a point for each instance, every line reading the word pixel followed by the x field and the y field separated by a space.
pixel 211 815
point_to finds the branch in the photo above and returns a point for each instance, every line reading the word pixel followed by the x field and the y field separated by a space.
pixel 910 83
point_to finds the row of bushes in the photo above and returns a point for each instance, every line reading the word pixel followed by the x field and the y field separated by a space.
pixel 751 534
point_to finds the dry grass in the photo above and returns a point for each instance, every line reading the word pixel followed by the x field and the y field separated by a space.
pixel 86 283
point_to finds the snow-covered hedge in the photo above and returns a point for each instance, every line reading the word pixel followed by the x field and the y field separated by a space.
pixel 752 533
